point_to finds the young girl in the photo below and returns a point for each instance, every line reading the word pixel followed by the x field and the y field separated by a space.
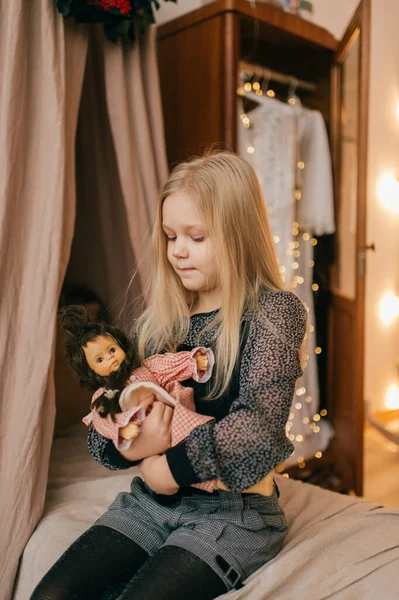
pixel 215 282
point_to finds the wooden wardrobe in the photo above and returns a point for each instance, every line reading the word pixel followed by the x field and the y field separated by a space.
pixel 199 55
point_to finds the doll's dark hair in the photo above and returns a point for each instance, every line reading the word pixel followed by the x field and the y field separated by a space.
pixel 80 330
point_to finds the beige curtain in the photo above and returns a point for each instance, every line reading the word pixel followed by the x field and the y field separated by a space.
pixel 42 64
pixel 134 104
pixel 121 163
pixel 102 257
pixel 42 60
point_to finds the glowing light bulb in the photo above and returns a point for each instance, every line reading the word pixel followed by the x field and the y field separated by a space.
pixel 388 192
pixel 392 397
pixel 389 308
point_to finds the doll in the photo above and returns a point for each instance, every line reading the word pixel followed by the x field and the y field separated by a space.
pixel 103 358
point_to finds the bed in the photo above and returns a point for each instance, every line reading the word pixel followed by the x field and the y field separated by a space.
pixel 337 546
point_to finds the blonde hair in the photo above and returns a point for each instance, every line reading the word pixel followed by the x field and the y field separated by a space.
pixel 229 197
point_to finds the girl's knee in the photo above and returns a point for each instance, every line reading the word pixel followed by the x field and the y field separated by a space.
pixel 49 591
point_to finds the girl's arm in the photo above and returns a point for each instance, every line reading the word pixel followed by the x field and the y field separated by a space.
pixel 101 447
pixel 179 366
pixel 251 440
pixel 154 438
pixel 104 452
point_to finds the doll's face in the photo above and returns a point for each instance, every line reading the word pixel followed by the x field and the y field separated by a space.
pixel 104 355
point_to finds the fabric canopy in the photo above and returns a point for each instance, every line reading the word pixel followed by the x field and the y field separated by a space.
pixel 42 74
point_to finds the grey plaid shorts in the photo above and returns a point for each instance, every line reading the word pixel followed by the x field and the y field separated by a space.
pixel 233 533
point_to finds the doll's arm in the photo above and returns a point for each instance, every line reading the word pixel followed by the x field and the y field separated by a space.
pixel 122 430
pixel 130 431
pixel 179 366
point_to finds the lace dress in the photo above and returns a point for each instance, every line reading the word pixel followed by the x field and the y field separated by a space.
pixel 300 204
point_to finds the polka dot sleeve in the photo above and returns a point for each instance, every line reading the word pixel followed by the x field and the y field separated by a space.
pixel 251 440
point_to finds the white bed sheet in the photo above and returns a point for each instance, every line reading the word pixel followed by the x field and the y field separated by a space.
pixel 337 546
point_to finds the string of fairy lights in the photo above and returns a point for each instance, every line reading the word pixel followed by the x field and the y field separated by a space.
pixel 293 250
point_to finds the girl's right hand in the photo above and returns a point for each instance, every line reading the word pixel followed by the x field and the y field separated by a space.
pixel 155 434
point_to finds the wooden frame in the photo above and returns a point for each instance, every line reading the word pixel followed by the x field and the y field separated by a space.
pixel 201 51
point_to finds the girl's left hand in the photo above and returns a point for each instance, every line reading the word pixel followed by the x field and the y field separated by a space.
pixel 157 475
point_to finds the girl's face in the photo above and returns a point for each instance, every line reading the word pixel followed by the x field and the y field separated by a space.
pixel 104 355
pixel 190 249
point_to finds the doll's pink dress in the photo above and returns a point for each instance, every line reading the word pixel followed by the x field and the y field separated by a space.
pixel 159 374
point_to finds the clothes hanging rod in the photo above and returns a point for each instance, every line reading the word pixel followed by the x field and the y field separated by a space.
pixel 275 76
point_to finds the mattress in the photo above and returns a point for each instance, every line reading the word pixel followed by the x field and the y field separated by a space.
pixel 337 546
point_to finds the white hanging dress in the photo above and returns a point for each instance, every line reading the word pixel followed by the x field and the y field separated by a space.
pixel 277 137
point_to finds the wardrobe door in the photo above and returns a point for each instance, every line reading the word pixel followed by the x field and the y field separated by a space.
pixel 346 350
pixel 198 75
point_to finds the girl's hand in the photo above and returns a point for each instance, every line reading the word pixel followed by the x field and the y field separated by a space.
pixel 154 435
pixel 157 475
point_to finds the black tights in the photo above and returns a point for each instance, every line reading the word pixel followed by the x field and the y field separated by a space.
pixel 104 565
